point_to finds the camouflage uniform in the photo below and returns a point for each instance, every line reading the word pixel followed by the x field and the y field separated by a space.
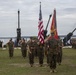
pixel 23 48
pixel 59 55
pixel 1 44
pixel 31 52
pixel 73 43
pixel 36 48
pixel 52 44
pixel 41 54
pixel 11 48
pixel 47 52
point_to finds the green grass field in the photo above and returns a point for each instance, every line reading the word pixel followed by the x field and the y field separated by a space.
pixel 20 66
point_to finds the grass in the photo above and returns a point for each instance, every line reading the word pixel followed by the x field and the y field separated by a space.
pixel 20 66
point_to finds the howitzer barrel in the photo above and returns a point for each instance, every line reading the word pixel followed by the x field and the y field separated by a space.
pixel 48 22
pixel 73 30
pixel 45 31
pixel 18 19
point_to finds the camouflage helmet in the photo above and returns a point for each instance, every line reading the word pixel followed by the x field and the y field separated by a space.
pixel 10 39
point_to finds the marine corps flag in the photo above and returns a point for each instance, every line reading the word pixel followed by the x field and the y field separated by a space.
pixel 54 25
pixel 40 27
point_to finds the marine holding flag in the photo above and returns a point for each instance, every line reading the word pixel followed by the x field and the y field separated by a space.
pixel 53 44
pixel 41 38
pixel 54 29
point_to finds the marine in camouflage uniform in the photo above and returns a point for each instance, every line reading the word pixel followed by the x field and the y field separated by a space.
pixel 59 55
pixel 41 54
pixel 31 51
pixel 23 48
pixel 73 43
pixel 52 45
pixel 11 47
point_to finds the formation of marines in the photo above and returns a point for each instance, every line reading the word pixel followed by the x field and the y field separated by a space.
pixel 52 49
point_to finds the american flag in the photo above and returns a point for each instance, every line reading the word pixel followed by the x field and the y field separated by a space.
pixel 40 28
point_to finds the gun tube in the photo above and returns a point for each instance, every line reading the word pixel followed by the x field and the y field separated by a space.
pixel 48 21
pixel 73 30
pixel 45 31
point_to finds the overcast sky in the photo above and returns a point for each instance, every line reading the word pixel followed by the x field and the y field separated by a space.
pixel 29 15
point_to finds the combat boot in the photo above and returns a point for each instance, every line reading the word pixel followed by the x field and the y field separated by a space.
pixel 51 71
pixel 41 65
pixel 31 65
pixel 55 70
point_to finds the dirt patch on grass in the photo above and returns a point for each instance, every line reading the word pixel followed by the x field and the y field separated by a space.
pixel 73 65
pixel 19 64
pixel 27 64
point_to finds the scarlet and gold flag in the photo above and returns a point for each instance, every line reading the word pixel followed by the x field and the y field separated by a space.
pixel 54 25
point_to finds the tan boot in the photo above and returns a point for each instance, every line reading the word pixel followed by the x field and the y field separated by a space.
pixel 55 70
pixel 51 71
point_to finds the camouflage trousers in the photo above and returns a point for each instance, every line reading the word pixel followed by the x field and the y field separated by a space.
pixel 11 53
pixel 36 53
pixel 47 56
pixel 52 61
pixel 59 57
pixel 24 53
pixel 31 58
pixel 41 55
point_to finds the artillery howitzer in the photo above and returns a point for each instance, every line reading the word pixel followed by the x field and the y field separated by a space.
pixel 18 30
pixel 45 31
pixel 66 38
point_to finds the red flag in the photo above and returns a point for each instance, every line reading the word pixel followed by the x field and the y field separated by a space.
pixel 40 28
pixel 54 25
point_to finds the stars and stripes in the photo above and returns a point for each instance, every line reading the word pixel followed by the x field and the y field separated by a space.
pixel 40 27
